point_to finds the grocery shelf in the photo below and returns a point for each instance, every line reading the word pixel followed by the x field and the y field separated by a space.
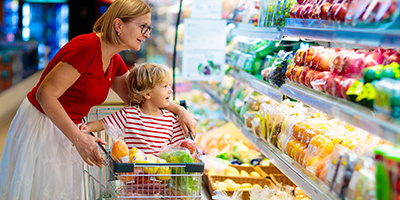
pixel 329 31
pixel 304 179
pixel 258 85
pixel 358 115
pixel 249 30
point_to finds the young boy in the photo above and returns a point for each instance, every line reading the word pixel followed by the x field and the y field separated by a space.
pixel 146 125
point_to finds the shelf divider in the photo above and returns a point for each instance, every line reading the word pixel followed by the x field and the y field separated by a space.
pixel 258 85
pixel 249 30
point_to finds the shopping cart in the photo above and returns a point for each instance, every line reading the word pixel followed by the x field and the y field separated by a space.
pixel 139 180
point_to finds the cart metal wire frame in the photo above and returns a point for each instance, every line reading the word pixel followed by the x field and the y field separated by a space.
pixel 139 180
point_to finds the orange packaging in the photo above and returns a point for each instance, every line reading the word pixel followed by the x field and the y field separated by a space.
pixel 119 151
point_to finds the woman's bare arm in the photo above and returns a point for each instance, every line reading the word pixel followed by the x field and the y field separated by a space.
pixel 53 86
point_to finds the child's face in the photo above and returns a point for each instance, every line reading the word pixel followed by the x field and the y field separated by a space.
pixel 161 94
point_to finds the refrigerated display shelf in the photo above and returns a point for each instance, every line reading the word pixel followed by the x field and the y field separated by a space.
pixel 258 85
pixel 376 123
pixel 249 30
pixel 358 115
pixel 323 30
pixel 304 179
pixel 329 31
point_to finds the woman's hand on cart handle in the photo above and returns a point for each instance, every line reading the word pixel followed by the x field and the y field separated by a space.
pixel 188 122
pixel 86 145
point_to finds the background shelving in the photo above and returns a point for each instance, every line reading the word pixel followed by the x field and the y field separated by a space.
pixel 258 85
pixel 266 33
pixel 352 113
pixel 307 181
pixel 335 32
pixel 355 114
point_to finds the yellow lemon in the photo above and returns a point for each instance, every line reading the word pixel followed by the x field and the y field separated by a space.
pixel 257 186
pixel 220 185
pixel 137 156
pixel 255 174
pixel 163 171
pixel 245 186
pixel 211 171
pixel 232 171
pixel 230 184
pixel 244 173
pixel 151 159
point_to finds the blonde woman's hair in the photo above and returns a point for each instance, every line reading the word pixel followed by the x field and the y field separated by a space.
pixel 144 77
pixel 123 9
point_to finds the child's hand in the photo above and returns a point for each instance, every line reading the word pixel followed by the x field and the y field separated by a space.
pixel 84 128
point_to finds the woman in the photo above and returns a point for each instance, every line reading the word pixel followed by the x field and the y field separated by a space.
pixel 42 157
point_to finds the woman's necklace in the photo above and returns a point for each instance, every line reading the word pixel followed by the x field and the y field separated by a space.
pixel 110 69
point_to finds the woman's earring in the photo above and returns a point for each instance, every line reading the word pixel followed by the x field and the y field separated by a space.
pixel 119 33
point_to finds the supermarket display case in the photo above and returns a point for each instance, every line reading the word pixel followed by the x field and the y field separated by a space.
pixel 372 36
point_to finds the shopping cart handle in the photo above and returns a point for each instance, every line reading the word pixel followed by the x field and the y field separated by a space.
pixel 102 148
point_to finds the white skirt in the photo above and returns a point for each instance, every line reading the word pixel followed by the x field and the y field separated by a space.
pixel 38 161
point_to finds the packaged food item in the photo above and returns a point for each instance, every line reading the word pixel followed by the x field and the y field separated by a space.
pixel 333 165
pixel 363 94
pixel 383 188
pixel 319 80
pixel 362 182
pixel 248 118
pixel 344 173
pixel 278 70
pixel 387 97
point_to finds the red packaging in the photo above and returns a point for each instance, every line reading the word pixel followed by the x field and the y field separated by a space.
pixel 318 81
pixel 310 74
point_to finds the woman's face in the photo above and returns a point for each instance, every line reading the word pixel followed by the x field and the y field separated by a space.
pixel 131 33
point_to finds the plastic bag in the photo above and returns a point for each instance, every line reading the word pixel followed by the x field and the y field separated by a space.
pixel 277 74
pixel 221 195
pixel 119 149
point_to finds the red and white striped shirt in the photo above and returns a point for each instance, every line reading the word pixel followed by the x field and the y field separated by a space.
pixel 145 132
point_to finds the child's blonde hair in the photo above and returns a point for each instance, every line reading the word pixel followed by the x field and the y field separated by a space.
pixel 144 77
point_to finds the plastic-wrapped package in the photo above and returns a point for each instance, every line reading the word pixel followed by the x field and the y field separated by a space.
pixel 323 10
pixel 383 189
pixel 322 169
pixel 333 165
pixel 339 10
pixel 255 126
pixel 363 94
pixel 303 75
pixel 319 80
pixel 324 59
pixel 388 97
pixel 286 131
pixel 278 69
pixel 319 147
pixel 299 57
pixel 248 118
pixel 362 181
pixel 353 65
pixel 119 149
pixel 344 173
pixel 288 73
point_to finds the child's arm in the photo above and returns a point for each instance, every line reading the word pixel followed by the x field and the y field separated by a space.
pixel 93 126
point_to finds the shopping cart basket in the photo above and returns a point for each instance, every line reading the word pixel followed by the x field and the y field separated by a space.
pixel 140 180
